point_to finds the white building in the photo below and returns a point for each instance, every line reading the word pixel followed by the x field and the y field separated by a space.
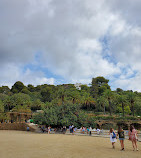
pixel 78 86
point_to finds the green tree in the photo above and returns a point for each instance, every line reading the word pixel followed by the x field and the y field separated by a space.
pixel 132 98
pixel 101 103
pixel 58 115
pixel 98 86
pixel 20 99
pixel 122 99
pixel 8 104
pixel 21 108
pixel 31 88
pixel 108 95
pixel 88 101
pixel 85 88
pixel 61 93
pixel 46 94
pixel 119 90
pixel 74 95
pixel 17 87
pixel 1 107
pixel 37 105
pixel 5 90
pixel 25 90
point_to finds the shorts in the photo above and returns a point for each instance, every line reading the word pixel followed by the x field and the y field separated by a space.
pixel 121 138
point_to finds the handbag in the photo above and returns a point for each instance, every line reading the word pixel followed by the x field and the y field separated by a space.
pixel 136 137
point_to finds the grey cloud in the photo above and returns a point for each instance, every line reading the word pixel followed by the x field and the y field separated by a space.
pixel 129 9
pixel 56 29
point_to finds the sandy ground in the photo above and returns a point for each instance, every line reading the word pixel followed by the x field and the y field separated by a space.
pixel 18 144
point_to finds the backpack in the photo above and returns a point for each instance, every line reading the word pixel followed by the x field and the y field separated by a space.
pixel 114 135
pixel 122 134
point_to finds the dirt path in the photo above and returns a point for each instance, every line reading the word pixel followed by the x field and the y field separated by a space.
pixel 17 144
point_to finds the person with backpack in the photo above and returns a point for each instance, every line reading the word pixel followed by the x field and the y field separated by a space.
pixel 112 137
pixel 121 137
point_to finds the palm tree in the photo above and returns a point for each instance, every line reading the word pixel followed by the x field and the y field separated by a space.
pixel 122 100
pixel 101 101
pixel 108 94
pixel 132 99
pixel 88 101
pixel 61 93
pixel 73 95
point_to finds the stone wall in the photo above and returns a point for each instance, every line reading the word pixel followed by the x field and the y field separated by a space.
pixel 15 126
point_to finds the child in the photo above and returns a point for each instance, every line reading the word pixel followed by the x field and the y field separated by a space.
pixel 112 137
pixel 121 137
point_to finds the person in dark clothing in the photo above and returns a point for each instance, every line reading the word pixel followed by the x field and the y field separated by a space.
pixel 121 137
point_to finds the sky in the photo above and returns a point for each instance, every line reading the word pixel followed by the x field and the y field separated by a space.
pixel 70 41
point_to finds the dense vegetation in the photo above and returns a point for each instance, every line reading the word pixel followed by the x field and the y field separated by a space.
pixel 64 104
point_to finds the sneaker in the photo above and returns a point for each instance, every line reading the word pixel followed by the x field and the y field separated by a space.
pixel 137 149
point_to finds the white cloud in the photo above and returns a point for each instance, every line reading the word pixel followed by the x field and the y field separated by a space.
pixel 69 34
pixel 128 83
pixel 12 73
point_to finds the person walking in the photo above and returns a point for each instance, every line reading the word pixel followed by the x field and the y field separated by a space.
pixel 133 137
pixel 112 137
pixel 121 137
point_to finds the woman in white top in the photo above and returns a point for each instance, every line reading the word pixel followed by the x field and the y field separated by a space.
pixel 112 137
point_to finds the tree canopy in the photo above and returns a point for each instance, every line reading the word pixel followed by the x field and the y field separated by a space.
pixel 64 104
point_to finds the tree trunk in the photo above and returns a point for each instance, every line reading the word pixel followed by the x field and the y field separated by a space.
pixel 62 99
pixel 132 105
pixel 123 109
pixel 104 109
pixel 73 100
pixel 110 106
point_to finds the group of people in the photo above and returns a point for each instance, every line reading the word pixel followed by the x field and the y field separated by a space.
pixel 121 135
pixel 46 129
pixel 89 130
pixel 83 129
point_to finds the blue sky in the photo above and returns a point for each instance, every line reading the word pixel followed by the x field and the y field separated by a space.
pixel 56 42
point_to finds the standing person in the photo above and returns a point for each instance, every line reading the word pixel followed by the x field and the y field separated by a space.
pixel 133 137
pixel 87 130
pixel 70 128
pixel 112 137
pixel 83 130
pixel 49 129
pixel 121 137
pixel 90 131
pixel 64 129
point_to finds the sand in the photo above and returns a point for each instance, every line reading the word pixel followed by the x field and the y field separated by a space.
pixel 19 144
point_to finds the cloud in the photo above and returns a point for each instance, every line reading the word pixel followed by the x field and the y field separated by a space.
pixel 13 72
pixel 76 39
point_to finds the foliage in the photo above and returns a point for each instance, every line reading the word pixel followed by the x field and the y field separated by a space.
pixel 17 87
pixel 98 86
pixel 21 108
pixel 1 106
pixel 46 94
pixel 65 105
pixel 58 115
pixel 20 99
